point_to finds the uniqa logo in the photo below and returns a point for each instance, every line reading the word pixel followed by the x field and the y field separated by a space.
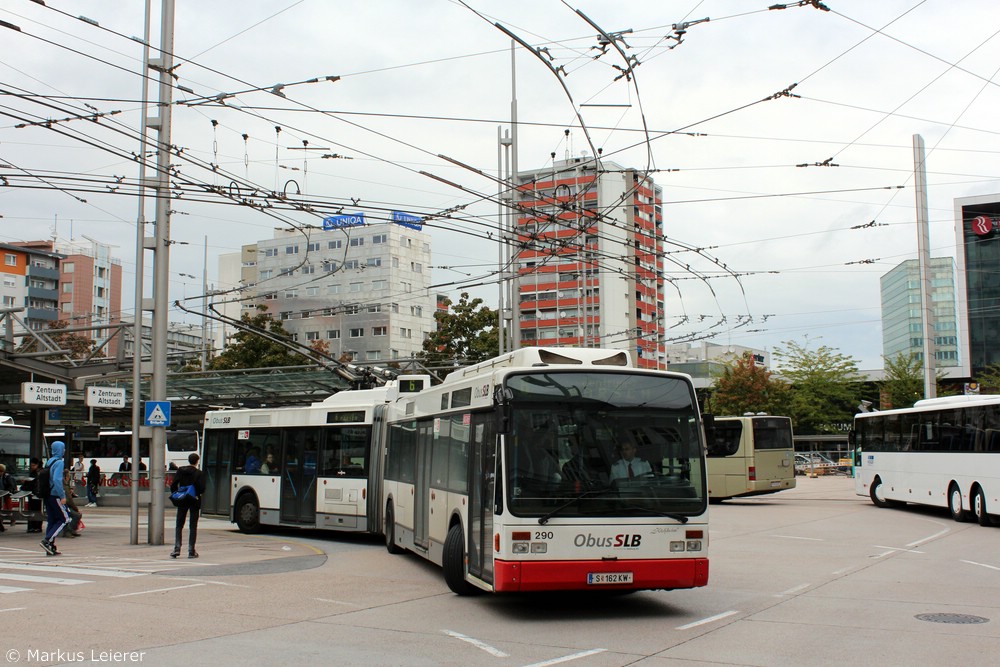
pixel 621 541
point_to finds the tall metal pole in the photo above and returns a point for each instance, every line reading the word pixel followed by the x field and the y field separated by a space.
pixel 501 238
pixel 161 274
pixel 924 262
pixel 140 253
pixel 204 308
pixel 513 297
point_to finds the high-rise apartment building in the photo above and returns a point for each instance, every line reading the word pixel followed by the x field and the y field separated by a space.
pixel 902 309
pixel 29 280
pixel 89 284
pixel 588 260
pixel 363 291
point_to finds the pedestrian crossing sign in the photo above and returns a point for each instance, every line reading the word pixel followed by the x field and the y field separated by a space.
pixel 157 413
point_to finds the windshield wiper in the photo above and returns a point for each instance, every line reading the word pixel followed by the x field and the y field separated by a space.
pixel 542 520
pixel 670 515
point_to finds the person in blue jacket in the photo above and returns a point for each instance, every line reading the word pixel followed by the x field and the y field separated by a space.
pixel 55 500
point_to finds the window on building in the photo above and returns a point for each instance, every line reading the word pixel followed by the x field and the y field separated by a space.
pixel 266 274
pixel 333 289
pixel 285 315
pixel 291 294
pixel 407 287
pixel 375 308
pixel 68 267
pixel 395 262
pixel 379 331
pixel 333 334
pixel 8 302
pixel 417 310
pixel 357 241
pixel 308 270
pixel 416 267
pixel 312 291
pixel 334 245
pixel 286 272
pixel 10 259
pixel 353 309
pixel 357 332
pixel 356 287
pixel 270 296
pixel 351 264
pixel 291 250
pixel 100 271
pixel 67 288
pixel 66 307
pixel 373 355
pixel 312 335
pixel 9 281
pixel 380 238
pixel 380 284
pixel 374 261
pixel 313 246
pixel 270 252
pixel 405 332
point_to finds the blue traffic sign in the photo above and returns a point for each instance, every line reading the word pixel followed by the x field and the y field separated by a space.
pixel 157 413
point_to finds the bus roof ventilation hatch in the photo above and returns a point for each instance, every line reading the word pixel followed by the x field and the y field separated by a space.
pixel 619 359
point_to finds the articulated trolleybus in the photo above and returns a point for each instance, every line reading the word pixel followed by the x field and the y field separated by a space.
pixel 942 451
pixel 551 469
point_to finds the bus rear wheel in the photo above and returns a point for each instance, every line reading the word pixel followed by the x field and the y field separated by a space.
pixel 390 531
pixel 875 493
pixel 955 503
pixel 979 507
pixel 454 562
pixel 248 514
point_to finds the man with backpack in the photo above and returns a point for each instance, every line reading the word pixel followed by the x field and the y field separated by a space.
pixel 50 487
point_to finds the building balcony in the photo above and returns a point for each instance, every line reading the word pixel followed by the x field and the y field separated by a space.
pixel 42 272
pixel 42 293
pixel 47 314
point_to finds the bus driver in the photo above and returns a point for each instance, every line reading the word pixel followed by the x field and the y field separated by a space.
pixel 629 466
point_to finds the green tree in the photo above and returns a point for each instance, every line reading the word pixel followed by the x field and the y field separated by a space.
pixel 250 349
pixel 746 387
pixel 989 379
pixel 904 381
pixel 824 386
pixel 466 332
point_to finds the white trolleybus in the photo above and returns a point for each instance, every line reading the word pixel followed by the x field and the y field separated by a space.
pixel 943 452
pixel 551 469
pixel 512 475
pixel 750 455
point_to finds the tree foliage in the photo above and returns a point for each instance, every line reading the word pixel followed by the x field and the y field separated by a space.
pixel 76 345
pixel 824 386
pixel 904 382
pixel 989 379
pixel 746 387
pixel 252 350
pixel 467 331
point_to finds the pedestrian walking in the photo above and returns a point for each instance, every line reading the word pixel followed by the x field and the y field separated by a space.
pixel 75 515
pixel 78 471
pixel 35 500
pixel 186 476
pixel 93 483
pixel 54 498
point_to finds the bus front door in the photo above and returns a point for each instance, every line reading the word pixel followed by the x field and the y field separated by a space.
pixel 298 476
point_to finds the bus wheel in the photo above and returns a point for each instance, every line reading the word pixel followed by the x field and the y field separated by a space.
pixel 247 514
pixel 454 563
pixel 390 531
pixel 875 492
pixel 979 507
pixel 955 503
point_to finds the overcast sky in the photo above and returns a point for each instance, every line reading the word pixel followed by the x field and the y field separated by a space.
pixel 429 78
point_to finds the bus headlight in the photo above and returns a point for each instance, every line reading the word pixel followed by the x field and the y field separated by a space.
pixel 676 547
pixel 694 545
pixel 520 547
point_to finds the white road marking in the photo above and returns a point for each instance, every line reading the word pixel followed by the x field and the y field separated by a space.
pixel 909 551
pixel 60 581
pixel 495 652
pixel 846 569
pixel 156 590
pixel 928 539
pixel 972 562
pixel 348 604
pixel 14 589
pixel 69 569
pixel 703 621
pixel 796 537
pixel 796 589
pixel 13 609
pixel 567 658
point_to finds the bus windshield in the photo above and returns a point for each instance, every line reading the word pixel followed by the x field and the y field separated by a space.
pixel 631 448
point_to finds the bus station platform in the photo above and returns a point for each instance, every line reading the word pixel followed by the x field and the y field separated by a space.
pixel 105 540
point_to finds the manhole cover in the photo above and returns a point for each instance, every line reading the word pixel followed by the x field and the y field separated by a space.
pixel 952 618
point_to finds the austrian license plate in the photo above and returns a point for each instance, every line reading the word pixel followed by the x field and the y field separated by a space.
pixel 775 484
pixel 609 578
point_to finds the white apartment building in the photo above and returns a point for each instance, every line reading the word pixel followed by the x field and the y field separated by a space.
pixel 363 290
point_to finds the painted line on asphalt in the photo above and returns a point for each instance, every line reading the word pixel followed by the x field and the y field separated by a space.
pixel 909 551
pixel 69 569
pixel 928 539
pixel 495 652
pixel 704 621
pixel 796 537
pixel 30 578
pixel 156 590
pixel 972 562
pixel 795 589
pixel 567 658
pixel 348 604
pixel 14 589
pixel 13 609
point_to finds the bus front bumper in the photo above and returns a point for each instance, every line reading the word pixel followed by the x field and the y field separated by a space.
pixel 523 576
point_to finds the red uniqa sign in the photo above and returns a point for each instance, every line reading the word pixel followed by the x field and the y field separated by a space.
pixel 982 225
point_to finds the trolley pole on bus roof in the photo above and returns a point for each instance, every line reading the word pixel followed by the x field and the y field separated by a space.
pixel 924 263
